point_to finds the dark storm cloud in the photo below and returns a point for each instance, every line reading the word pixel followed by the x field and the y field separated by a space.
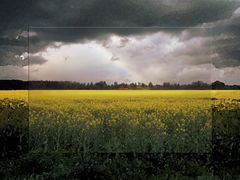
pixel 227 43
pixel 11 55
pixel 129 12
pixel 224 38
pixel 15 16
pixel 227 50
pixel 124 13
pixel 37 60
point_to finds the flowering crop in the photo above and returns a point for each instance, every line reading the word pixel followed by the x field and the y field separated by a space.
pixel 122 120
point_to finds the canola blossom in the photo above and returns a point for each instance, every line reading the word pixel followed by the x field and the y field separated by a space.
pixel 138 121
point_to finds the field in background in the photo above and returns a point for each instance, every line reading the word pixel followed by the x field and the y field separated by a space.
pixel 12 94
pixel 121 120
pixel 128 122
pixel 23 94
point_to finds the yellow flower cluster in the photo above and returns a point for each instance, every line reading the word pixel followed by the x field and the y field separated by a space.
pixel 121 120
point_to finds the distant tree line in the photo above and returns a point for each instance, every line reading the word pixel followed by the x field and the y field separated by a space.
pixel 102 85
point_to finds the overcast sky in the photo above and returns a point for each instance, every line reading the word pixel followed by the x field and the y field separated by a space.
pixel 121 40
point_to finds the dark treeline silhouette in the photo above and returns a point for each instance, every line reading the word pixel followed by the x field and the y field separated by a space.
pixel 102 85
pixel 13 84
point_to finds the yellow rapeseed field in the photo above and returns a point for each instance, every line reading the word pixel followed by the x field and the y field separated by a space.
pixel 121 120
pixel 19 94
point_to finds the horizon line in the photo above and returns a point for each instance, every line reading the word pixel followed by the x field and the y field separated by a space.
pixel 119 82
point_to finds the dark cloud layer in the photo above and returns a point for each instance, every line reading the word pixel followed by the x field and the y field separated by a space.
pixel 16 16
pixel 129 12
